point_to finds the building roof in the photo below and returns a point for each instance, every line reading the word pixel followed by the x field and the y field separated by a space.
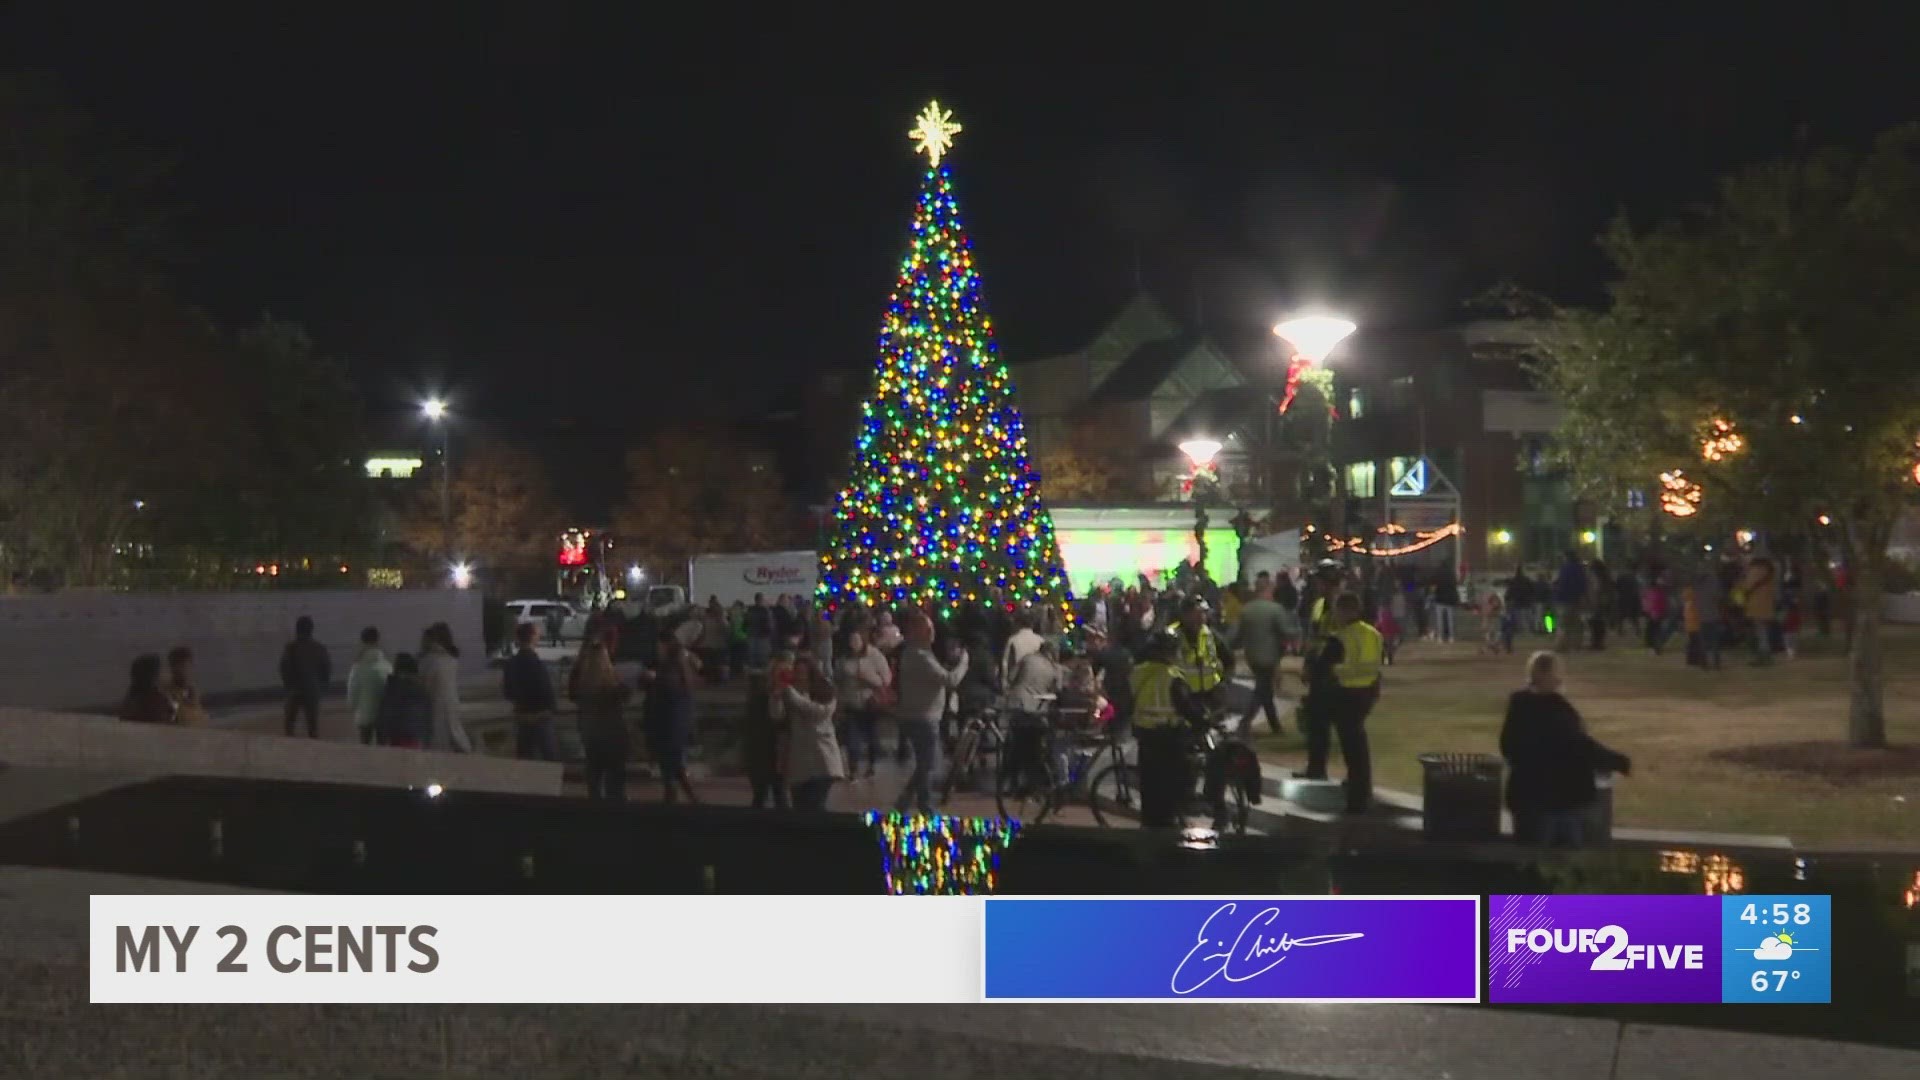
pixel 1143 355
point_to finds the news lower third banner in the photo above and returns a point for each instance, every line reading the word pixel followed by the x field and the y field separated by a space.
pixel 781 949
pixel 1667 949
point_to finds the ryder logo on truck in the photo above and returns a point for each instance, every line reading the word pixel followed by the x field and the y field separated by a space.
pixel 773 575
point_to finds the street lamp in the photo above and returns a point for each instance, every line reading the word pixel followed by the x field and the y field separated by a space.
pixel 1312 338
pixel 462 575
pixel 1201 452
pixel 435 410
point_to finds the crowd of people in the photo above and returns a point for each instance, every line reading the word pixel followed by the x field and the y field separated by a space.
pixel 826 693
pixel 1149 662
pixel 410 700
pixel 829 697
pixel 1754 603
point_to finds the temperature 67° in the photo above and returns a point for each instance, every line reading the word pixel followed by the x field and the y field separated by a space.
pixel 1761 983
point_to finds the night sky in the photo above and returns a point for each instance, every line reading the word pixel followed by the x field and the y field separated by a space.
pixel 617 218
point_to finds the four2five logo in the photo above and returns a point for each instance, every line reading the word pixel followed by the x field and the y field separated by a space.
pixel 1603 948
pixel 1607 949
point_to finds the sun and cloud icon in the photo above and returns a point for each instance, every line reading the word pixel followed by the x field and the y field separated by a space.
pixel 1778 946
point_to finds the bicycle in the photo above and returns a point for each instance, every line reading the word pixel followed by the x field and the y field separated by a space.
pixel 1114 794
pixel 1047 761
pixel 980 735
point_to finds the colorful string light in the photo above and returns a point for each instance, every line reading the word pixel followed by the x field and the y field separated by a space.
pixel 1720 441
pixel 1422 540
pixel 942 505
pixel 1679 496
pixel 937 855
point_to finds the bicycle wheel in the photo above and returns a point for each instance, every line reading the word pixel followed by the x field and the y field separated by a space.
pixel 1114 796
pixel 962 763
pixel 1023 792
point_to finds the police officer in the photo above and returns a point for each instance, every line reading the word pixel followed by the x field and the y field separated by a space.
pixel 1163 708
pixel 1316 605
pixel 1343 683
pixel 1202 659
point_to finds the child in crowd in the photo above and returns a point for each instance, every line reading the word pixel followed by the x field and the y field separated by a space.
pixel 1390 630
pixel 1497 624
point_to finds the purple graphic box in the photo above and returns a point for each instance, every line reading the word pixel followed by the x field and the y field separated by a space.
pixel 1603 949
pixel 1325 948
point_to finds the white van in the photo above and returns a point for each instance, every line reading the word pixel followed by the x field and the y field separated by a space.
pixel 571 620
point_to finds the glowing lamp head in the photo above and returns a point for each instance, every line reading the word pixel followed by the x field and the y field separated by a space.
pixel 1588 536
pixel 1201 451
pixel 635 574
pixel 462 575
pixel 434 409
pixel 1502 537
pixel 1314 337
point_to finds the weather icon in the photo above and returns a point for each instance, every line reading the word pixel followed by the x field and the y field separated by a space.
pixel 1777 947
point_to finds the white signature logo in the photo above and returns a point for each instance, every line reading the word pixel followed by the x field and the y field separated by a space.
pixel 1249 946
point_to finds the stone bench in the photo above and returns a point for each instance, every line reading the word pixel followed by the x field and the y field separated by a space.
pixel 34 737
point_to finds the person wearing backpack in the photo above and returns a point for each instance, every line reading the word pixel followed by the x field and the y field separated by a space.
pixel 405 715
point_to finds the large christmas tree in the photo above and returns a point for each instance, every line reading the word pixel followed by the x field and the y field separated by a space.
pixel 942 505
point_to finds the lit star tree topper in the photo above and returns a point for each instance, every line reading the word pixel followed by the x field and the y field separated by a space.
pixel 932 132
pixel 942 504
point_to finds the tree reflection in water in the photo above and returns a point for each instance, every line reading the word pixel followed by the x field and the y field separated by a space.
pixel 1719 875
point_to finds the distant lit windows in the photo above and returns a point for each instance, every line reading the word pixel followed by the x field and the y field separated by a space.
pixel 1356 404
pixel 392 468
pixel 1361 480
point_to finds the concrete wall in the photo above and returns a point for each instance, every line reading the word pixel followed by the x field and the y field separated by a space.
pixel 66 740
pixel 1901 608
pixel 71 650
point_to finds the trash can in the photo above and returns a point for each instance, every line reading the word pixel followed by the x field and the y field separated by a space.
pixel 1600 814
pixel 1461 793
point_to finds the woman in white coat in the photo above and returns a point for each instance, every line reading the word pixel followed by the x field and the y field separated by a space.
pixel 813 753
pixel 440 670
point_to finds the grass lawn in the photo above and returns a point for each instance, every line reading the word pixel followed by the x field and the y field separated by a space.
pixel 1671 720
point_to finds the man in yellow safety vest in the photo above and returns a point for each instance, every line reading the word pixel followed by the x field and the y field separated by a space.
pixel 1202 660
pixel 1322 587
pixel 1343 683
pixel 1164 708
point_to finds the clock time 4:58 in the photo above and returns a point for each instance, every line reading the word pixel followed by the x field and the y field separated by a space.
pixel 1777 914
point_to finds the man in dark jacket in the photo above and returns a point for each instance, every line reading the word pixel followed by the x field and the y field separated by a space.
pixel 1551 760
pixel 760 628
pixel 305 673
pixel 528 686
pixel 1115 665
pixel 1261 635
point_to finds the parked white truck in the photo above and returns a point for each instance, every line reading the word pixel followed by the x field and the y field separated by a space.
pixel 740 576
